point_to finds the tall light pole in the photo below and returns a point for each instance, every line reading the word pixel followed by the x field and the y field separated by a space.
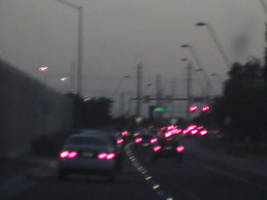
pixel 80 43
pixel 119 85
pixel 216 41
pixel 263 6
pixel 200 68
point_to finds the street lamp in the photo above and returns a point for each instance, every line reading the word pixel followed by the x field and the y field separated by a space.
pixel 43 69
pixel 216 41
pixel 80 43
pixel 200 67
pixel 63 79
pixel 119 84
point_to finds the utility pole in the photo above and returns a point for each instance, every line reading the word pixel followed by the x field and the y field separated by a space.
pixel 172 93
pixel 139 88
pixel 122 97
pixel 72 77
pixel 189 90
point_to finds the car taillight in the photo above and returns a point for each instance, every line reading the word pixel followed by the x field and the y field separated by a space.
pixel 193 132
pixel 203 132
pixel 135 134
pixel 68 154
pixel 124 133
pixel 153 140
pixel 138 140
pixel 179 148
pixel 120 141
pixel 156 148
pixel 168 134
pixel 107 156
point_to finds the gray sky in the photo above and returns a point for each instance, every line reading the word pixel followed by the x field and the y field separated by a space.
pixel 120 33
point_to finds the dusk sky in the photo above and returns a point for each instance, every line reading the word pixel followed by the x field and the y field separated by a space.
pixel 120 33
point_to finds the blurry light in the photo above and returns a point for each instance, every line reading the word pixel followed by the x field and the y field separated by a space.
pixel 193 132
pixel 168 134
pixel 138 140
pixel 185 131
pixel 72 154
pixel 170 198
pixel 64 154
pixel 124 133
pixel 64 79
pixel 180 148
pixel 87 99
pixel 156 148
pixel 191 127
pixel 102 155
pixel 203 132
pixel 156 186
pixel 205 108
pixel 200 127
pixel 120 141
pixel 43 68
pixel 136 134
pixel 193 108
pixel 153 140
pixel 148 178
pixel 110 156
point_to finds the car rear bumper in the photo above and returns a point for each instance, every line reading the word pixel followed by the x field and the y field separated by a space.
pixel 87 165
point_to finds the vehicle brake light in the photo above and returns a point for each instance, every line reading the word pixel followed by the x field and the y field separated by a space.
pixel 120 141
pixel 136 134
pixel 138 140
pixel 72 154
pixel 203 132
pixel 179 148
pixel 64 154
pixel 153 140
pixel 107 156
pixel 68 154
pixel 168 134
pixel 193 132
pixel 124 133
pixel 156 148
pixel 110 156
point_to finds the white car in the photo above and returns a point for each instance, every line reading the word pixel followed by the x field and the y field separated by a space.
pixel 90 154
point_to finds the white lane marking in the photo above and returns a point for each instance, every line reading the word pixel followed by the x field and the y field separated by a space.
pixel 229 175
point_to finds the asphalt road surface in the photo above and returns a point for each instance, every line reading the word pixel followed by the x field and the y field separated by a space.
pixel 194 179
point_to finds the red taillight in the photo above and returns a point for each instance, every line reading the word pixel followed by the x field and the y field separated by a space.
pixel 168 134
pixel 124 133
pixel 156 148
pixel 138 140
pixel 68 154
pixel 64 154
pixel 193 132
pixel 179 148
pixel 72 154
pixel 120 141
pixel 110 156
pixel 107 156
pixel 153 140
pixel 136 134
pixel 203 132
pixel 102 156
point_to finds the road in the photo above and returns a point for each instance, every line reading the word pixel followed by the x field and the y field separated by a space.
pixel 194 179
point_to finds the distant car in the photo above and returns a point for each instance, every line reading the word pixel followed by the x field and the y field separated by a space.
pixel 143 139
pixel 167 148
pixel 88 154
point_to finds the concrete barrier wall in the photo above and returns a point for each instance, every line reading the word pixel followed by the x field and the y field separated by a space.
pixel 28 109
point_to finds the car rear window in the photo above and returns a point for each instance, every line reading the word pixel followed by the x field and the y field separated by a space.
pixel 86 141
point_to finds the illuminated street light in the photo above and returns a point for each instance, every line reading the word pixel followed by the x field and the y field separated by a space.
pixel 43 68
pixel 216 41
pixel 63 79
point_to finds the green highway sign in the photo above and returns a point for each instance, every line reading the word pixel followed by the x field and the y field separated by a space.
pixel 160 109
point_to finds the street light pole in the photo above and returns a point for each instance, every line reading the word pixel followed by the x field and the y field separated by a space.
pixel 216 41
pixel 80 43
pixel 200 68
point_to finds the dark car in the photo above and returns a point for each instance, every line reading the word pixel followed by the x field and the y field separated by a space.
pixel 167 148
